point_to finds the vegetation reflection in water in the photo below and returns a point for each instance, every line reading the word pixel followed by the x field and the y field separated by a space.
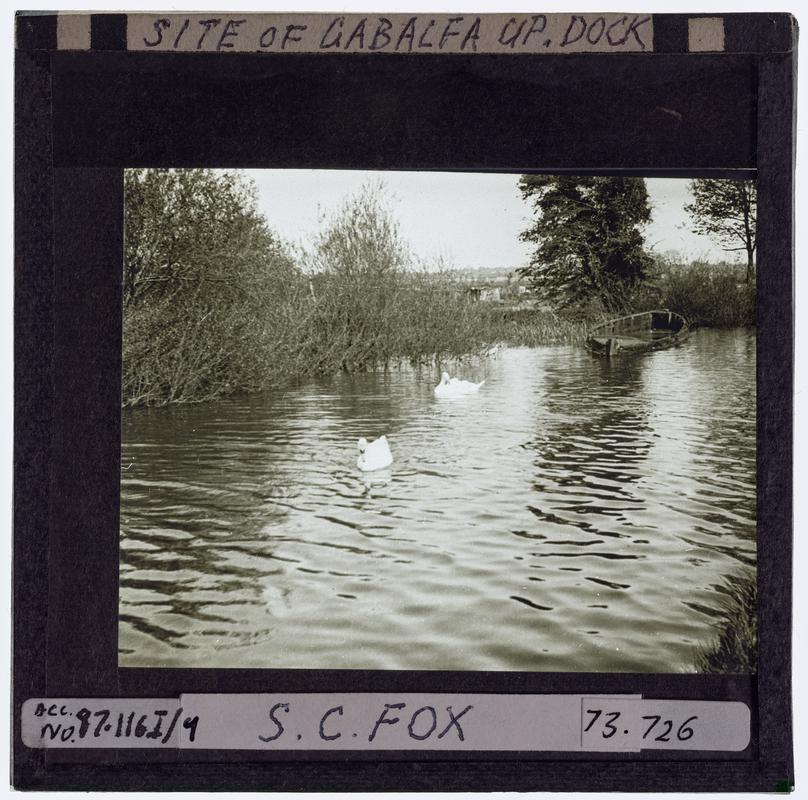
pixel 577 514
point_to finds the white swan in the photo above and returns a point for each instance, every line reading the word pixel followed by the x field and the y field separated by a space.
pixel 452 387
pixel 374 455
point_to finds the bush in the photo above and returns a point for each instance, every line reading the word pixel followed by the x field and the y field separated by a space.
pixel 368 304
pixel 204 283
pixel 709 294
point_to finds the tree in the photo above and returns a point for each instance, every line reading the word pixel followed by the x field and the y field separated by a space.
pixel 358 263
pixel 727 211
pixel 193 231
pixel 203 277
pixel 362 240
pixel 588 233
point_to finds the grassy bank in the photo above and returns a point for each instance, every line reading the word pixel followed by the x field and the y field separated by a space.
pixel 734 648
pixel 529 327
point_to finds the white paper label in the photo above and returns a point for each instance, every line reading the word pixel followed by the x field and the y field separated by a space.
pixel 394 33
pixel 388 721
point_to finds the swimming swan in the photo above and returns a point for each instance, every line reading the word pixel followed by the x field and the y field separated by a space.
pixel 375 455
pixel 452 387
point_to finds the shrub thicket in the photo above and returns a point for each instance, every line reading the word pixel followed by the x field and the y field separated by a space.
pixel 708 294
pixel 214 304
pixel 203 277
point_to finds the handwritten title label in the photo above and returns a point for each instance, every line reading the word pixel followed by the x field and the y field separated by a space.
pixel 395 33
pixel 388 721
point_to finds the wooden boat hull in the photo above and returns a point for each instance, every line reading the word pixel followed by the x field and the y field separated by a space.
pixel 638 333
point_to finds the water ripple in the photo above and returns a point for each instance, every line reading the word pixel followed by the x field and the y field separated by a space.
pixel 576 515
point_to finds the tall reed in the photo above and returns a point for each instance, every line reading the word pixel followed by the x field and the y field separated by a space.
pixel 734 647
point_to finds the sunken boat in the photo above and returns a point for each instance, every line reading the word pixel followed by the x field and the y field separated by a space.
pixel 638 333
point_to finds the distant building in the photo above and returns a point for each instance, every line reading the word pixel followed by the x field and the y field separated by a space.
pixel 494 285
pixel 486 294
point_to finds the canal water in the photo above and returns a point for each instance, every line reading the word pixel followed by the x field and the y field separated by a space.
pixel 577 514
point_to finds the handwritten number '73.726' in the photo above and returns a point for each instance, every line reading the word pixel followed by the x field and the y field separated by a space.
pixel 683 732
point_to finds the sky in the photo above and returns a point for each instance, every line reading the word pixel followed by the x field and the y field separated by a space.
pixel 470 220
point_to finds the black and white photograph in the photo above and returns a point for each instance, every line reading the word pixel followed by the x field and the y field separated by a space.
pixel 438 421
pixel 404 400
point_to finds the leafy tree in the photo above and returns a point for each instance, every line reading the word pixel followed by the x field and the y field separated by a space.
pixel 727 211
pixel 358 262
pixel 588 233
pixel 193 231
pixel 361 240
pixel 202 278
